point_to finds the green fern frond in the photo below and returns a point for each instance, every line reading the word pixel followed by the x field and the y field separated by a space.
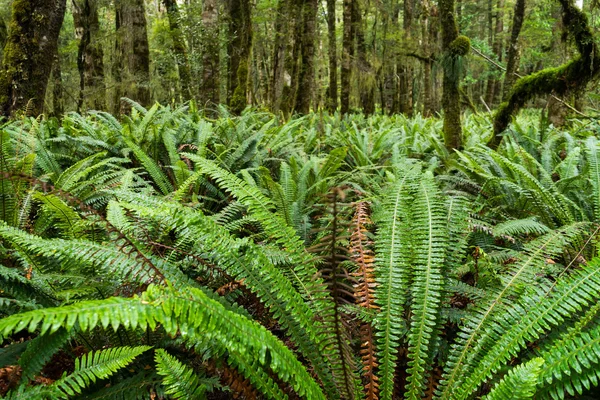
pixel 139 387
pixel 593 158
pixel 477 334
pixel 39 351
pixel 156 173
pixel 430 235
pixel 97 365
pixel 241 259
pixel 188 313
pixel 180 381
pixel 519 383
pixel 393 260
pixel 525 226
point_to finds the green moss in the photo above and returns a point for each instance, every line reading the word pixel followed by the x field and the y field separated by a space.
pixel 460 46
pixel 238 99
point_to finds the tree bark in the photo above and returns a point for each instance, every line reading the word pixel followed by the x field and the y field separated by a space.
pixel 493 89
pixel 209 86
pixel 365 69
pixel 282 29
pixel 132 37
pixel 239 50
pixel 347 56
pixel 179 48
pixel 58 108
pixel 512 64
pixel 405 70
pixel 454 46
pixel 90 63
pixel 569 77
pixel 306 76
pixel 332 91
pixel 427 26
pixel 32 41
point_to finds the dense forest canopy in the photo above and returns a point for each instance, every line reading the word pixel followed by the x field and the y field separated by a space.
pixel 299 199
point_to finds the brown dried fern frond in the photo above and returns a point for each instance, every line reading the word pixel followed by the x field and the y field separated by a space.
pixel 364 292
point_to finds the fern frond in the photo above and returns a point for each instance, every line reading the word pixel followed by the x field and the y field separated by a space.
pixel 190 313
pixel 593 158
pixel 519 383
pixel 242 259
pixel 138 387
pixel 393 259
pixel 156 173
pixel 180 381
pixel 364 292
pixel 39 351
pixel 97 365
pixel 429 230
pixel 477 334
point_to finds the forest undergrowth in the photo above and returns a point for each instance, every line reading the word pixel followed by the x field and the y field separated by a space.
pixel 167 255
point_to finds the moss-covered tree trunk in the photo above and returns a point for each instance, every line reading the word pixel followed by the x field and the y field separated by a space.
pixel 180 49
pixel 427 27
pixel 494 83
pixel 512 63
pixel 133 48
pixel 347 56
pixel 282 29
pixel 239 50
pixel 405 64
pixel 3 35
pixel 306 75
pixel 209 84
pixel 367 82
pixel 568 78
pixel 27 60
pixel 58 101
pixel 332 90
pixel 90 63
pixel 454 47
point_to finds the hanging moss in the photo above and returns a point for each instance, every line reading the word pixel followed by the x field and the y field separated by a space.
pixel 460 46
pixel 572 76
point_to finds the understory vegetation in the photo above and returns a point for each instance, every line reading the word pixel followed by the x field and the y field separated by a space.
pixel 167 255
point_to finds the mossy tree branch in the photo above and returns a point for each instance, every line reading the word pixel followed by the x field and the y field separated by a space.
pixel 572 76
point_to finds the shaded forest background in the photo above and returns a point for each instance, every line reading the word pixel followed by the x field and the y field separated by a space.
pixel 293 56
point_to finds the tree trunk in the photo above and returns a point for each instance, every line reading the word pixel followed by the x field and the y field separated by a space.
pixel 58 108
pixel 132 36
pixel 493 89
pixel 512 64
pixel 32 42
pixel 179 48
pixel 567 78
pixel 365 69
pixel 427 26
pixel 347 55
pixel 332 91
pixel 209 86
pixel 239 50
pixel 306 76
pixel 90 63
pixel 282 29
pixel 405 69
pixel 454 46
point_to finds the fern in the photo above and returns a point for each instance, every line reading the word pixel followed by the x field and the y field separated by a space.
pixel 180 381
pixel 429 238
pixel 39 351
pixel 393 259
pixel 188 313
pixel 520 382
